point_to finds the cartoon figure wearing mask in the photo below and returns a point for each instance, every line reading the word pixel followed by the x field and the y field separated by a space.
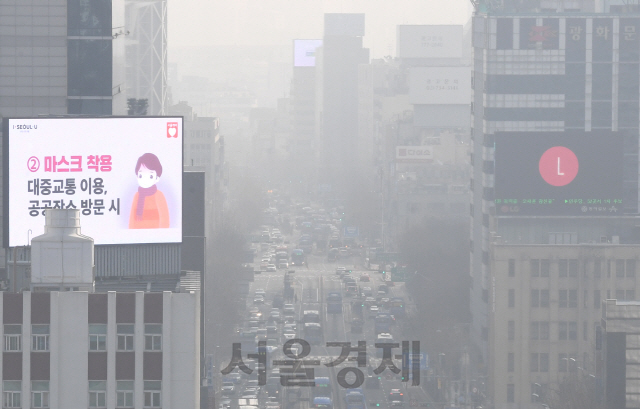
pixel 149 209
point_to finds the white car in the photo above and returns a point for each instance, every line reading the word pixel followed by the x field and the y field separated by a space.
pixel 271 268
pixel 288 309
pixel 283 265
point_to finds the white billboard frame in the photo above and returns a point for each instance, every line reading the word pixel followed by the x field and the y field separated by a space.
pixel 95 165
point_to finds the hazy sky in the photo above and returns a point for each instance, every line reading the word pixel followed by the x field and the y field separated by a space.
pixel 277 22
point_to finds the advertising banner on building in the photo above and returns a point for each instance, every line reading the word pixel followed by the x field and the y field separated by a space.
pixel 440 85
pixel 304 52
pixel 559 174
pixel 414 154
pixel 423 41
pixel 124 174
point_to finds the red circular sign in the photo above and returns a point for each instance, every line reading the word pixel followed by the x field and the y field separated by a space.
pixel 558 166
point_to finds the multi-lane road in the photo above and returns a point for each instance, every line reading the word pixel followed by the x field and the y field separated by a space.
pixel 311 284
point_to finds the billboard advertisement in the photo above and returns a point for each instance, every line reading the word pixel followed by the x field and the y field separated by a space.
pixel 440 85
pixel 423 41
pixel 304 52
pixel 414 154
pixel 559 174
pixel 124 174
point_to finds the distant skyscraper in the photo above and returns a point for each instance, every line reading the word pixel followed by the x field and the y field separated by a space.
pixel 342 52
pixel 146 53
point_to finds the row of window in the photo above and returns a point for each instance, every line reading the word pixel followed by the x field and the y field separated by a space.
pixel 569 267
pixel 539 362
pixel 12 394
pixel 568 298
pixel 97 337
pixel 539 330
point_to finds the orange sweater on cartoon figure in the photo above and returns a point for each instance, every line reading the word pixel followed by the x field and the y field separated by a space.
pixel 155 213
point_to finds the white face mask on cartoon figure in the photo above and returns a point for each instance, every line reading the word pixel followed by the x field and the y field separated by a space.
pixel 147 177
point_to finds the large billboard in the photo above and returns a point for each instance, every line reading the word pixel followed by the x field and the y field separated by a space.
pixel 124 174
pixel 304 52
pixel 423 41
pixel 559 174
pixel 440 85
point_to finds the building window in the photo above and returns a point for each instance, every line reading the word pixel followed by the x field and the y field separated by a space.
pixel 40 337
pixel 573 330
pixel 11 394
pixel 562 299
pixel 562 330
pixel 124 394
pixel 544 362
pixel 534 332
pixel 13 337
pixel 619 268
pixel 544 330
pixel 630 295
pixel 585 330
pixel 563 267
pixel 39 394
pixel 153 337
pixel 544 298
pixel 152 394
pixel 97 394
pixel 511 393
pixel 510 362
pixel 596 299
pixel 511 330
pixel 534 264
pixel 97 337
pixel 573 268
pixel 573 298
pixel 512 267
pixel 512 298
pixel 535 298
pixel 631 268
pixel 534 365
pixel 125 337
pixel 597 268
pixel 545 267
pixel 562 362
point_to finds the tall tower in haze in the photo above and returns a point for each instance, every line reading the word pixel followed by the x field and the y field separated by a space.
pixel 342 52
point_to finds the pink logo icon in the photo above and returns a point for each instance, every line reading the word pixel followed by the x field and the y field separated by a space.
pixel 172 129
pixel 33 164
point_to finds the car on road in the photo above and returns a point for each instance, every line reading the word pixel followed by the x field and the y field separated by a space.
pixel 383 287
pixel 341 271
pixel 367 291
pixel 258 299
pixel 264 263
pixel 272 328
pixel 283 265
pixel 228 388
pixel 288 309
pixel 373 311
pixel 289 333
pixel 396 395
pixel 275 316
pixel 271 268
pixel 365 277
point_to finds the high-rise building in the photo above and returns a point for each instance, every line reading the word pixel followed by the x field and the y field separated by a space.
pixel 62 57
pixel 555 124
pixel 146 53
pixel 341 54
